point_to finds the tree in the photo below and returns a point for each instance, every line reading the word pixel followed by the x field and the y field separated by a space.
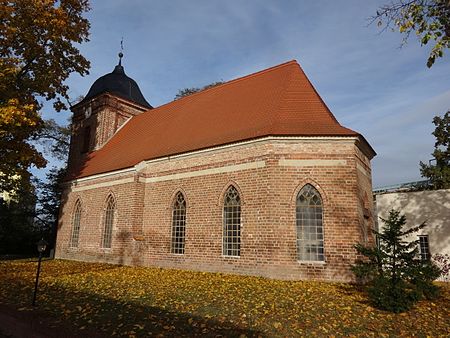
pixel 189 91
pixel 55 139
pixel 438 172
pixel 48 195
pixel 429 19
pixel 18 235
pixel 37 54
pixel 395 274
pixel 31 212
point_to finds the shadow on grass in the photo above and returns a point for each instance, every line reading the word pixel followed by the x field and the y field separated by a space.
pixel 130 318
pixel 78 313
pixel 353 289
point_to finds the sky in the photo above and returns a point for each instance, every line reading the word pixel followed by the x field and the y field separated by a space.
pixel 371 85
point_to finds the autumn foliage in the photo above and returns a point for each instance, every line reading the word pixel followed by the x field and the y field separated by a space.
pixel 429 20
pixel 37 54
pixel 125 301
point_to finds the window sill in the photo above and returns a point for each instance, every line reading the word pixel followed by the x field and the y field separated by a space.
pixel 312 262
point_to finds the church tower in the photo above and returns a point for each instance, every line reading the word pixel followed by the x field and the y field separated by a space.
pixel 111 101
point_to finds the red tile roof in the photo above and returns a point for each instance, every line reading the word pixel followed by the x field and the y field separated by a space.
pixel 279 101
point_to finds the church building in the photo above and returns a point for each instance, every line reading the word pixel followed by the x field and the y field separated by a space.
pixel 254 176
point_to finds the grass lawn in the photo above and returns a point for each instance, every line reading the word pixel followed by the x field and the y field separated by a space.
pixel 138 301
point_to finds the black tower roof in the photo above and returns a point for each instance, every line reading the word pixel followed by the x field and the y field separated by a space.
pixel 118 83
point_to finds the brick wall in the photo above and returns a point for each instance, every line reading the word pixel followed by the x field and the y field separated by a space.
pixel 104 115
pixel 268 174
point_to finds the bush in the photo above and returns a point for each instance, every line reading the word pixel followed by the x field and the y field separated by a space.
pixel 443 262
pixel 396 277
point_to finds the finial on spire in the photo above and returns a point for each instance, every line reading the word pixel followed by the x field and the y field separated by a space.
pixel 120 53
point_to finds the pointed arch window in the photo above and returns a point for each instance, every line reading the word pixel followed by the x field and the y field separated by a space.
pixel 76 223
pixel 108 223
pixel 178 224
pixel 231 223
pixel 309 215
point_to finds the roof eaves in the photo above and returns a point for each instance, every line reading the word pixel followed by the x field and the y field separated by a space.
pixel 232 143
pixel 85 101
pixel 365 147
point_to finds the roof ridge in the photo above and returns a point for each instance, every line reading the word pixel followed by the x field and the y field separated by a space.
pixel 245 77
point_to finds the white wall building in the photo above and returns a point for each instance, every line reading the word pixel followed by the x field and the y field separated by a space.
pixel 430 206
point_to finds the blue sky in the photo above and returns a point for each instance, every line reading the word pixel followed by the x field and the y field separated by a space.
pixel 370 84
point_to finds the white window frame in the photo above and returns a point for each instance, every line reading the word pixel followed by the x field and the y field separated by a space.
pixel 309 225
pixel 178 240
pixel 232 200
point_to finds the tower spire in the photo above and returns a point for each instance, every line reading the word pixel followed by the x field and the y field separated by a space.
pixel 121 52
